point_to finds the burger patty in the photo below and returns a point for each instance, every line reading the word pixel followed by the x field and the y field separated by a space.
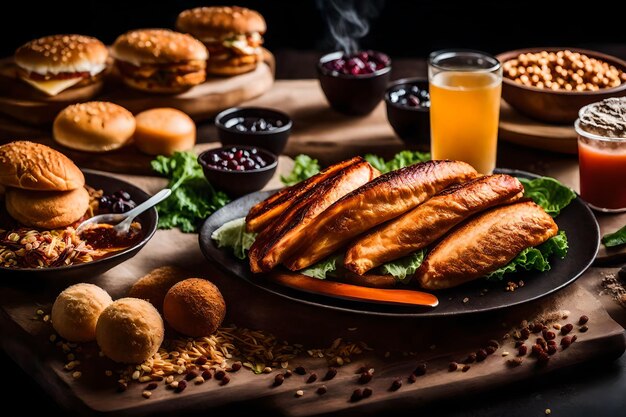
pixel 170 74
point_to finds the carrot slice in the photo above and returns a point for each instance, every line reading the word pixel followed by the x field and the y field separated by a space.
pixel 354 292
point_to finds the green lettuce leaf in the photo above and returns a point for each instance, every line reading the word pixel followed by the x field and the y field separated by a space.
pixel 400 160
pixel 233 235
pixel 193 198
pixel 615 239
pixel 536 258
pixel 403 269
pixel 548 193
pixel 304 167
pixel 324 268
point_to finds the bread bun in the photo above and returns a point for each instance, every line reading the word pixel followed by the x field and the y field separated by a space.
pixel 157 46
pixel 163 131
pixel 96 126
pixel 217 22
pixel 46 209
pixel 130 330
pixel 62 53
pixel 32 166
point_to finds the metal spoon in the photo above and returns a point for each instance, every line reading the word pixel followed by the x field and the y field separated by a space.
pixel 123 221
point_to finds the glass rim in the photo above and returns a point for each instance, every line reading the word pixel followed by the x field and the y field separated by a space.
pixel 582 132
pixel 446 53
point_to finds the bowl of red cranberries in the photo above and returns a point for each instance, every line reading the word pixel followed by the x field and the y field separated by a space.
pixel 254 126
pixel 354 83
pixel 408 110
pixel 238 169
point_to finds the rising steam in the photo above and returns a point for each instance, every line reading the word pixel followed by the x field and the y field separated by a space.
pixel 349 20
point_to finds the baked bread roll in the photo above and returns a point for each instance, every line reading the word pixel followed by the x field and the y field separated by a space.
pixel 32 166
pixel 46 210
pixel 163 131
pixel 96 126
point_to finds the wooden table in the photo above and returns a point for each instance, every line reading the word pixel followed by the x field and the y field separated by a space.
pixel 372 134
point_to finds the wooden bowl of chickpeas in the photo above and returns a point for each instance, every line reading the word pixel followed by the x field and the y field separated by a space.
pixel 552 84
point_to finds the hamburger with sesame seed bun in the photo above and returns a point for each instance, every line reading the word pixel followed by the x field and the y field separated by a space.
pixel 95 126
pixel 233 36
pixel 53 64
pixel 160 60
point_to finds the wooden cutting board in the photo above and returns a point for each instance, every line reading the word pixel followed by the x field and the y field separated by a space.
pixel 24 104
pixel 517 128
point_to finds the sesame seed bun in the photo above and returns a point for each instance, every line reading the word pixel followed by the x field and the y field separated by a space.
pixel 216 22
pixel 96 126
pixel 47 209
pixel 157 46
pixel 62 54
pixel 33 166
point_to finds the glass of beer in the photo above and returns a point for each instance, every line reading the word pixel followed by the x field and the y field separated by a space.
pixel 465 91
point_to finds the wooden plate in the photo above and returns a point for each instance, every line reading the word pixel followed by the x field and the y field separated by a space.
pixel 24 103
pixel 517 128
pixel 576 220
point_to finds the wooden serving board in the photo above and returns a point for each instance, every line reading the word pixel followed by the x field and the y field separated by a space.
pixel 26 105
pixel 517 128
pixel 408 341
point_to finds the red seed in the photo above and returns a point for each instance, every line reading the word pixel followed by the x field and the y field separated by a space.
pixel 519 343
pixel 278 380
pixel 357 395
pixel 522 351
pixel 567 328
pixel 219 375
pixel 481 355
pixel 330 374
pixel 412 378
pixel 551 350
pixel 420 369
pixel 490 350
pixel 225 380
pixel 566 341
pixel 312 378
pixel 465 368
pixel 493 343
pixel 583 329
pixel 201 360
pixel 396 384
pixel 549 335
pixel 181 386
pixel 206 375
pixel 322 390
pixel 151 386
pixel 537 349
pixel 191 375
pixel 365 378
pixel 288 373
pixel 515 362
pixel 235 366
pixel 471 358
pixel 453 367
pixel 525 333
pixel 367 392
pixel 583 320
pixel 300 370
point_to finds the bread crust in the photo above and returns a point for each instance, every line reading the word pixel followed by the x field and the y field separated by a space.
pixel 33 166
pixel 46 209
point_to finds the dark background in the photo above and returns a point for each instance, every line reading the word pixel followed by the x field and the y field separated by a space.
pixel 402 28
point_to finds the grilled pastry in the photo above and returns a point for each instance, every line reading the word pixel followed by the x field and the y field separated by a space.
pixel 429 221
pixel 381 200
pixel 274 243
pixel 263 213
pixel 484 244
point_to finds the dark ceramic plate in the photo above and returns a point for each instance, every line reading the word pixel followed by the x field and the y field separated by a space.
pixel 576 220
pixel 89 270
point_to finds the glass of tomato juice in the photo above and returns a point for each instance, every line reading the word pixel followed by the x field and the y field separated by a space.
pixel 602 163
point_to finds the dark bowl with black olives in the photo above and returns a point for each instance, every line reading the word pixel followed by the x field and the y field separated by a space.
pixel 254 126
pixel 355 83
pixel 238 170
pixel 408 110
